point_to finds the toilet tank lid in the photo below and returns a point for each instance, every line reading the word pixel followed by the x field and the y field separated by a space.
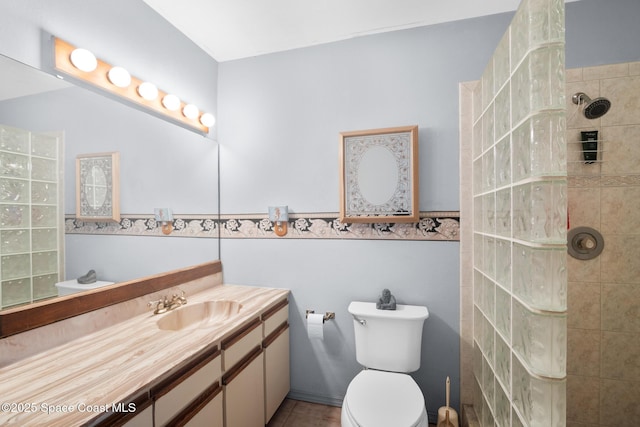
pixel 408 312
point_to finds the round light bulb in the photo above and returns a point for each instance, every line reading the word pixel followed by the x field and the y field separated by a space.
pixel 83 60
pixel 190 111
pixel 171 102
pixel 207 119
pixel 148 91
pixel 119 77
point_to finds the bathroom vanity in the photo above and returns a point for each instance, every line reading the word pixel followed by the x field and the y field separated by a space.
pixel 220 360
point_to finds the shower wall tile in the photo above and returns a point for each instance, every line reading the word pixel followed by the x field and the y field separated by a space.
pixel 583 271
pixel 620 356
pixel 573 75
pixel 620 308
pixel 619 403
pixel 583 400
pixel 622 155
pixel 584 207
pixel 619 205
pixel 584 306
pixel 608 71
pixel 583 352
pixel 625 102
pixel 619 259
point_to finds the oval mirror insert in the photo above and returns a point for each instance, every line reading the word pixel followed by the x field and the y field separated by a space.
pixel 378 175
pixel 95 187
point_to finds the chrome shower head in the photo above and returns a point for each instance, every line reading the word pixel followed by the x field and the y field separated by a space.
pixel 593 108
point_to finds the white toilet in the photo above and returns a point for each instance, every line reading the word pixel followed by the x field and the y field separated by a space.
pixel 388 344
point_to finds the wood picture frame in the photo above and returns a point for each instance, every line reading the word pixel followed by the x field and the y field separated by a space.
pixel 379 175
pixel 98 187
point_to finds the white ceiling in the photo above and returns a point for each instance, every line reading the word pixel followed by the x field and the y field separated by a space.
pixel 233 29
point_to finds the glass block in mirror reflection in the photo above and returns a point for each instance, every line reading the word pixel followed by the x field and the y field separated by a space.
pixel 521 220
pixel 15 292
pixel 540 341
pixel 44 192
pixel 488 336
pixel 477 176
pixel 44 216
pixel 503 408
pixel 488 382
pixel 478 323
pixel 477 362
pixel 541 403
pixel 489 216
pixel 501 67
pixel 503 212
pixel 44 239
pixel 489 299
pixel 477 213
pixel 487 415
pixel 503 313
pixel 45 262
pixel 15 266
pixel 503 162
pixel 503 263
pixel 14 241
pixel 477 101
pixel 487 85
pixel 14 190
pixel 45 286
pixel 488 171
pixel 503 363
pixel 14 165
pixel 44 146
pixel 488 128
pixel 14 216
pixel 520 94
pixel 44 169
pixel 15 140
pixel 521 151
pixel 489 248
pixel 502 113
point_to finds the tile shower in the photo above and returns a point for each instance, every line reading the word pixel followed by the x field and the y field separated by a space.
pixel 603 350
pixel 517 244
pixel 602 295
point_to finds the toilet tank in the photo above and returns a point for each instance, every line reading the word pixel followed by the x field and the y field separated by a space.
pixel 388 340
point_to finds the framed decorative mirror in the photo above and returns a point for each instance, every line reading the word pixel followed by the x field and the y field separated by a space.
pixel 98 187
pixel 379 175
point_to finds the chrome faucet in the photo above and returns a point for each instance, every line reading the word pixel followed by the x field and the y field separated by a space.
pixel 164 304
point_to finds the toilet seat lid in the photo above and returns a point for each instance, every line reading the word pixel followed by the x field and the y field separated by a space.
pixel 383 399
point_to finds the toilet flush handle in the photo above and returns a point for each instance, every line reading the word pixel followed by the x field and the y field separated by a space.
pixel 361 321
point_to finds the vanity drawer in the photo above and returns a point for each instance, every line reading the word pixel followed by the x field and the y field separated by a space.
pixel 237 346
pixel 176 393
pixel 275 317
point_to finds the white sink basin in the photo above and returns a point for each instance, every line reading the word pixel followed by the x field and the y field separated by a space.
pixel 201 314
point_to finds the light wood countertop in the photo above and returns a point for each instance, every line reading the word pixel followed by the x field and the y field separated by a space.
pixel 75 381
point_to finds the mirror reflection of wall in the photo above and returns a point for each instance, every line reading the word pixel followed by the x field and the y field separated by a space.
pixel 162 165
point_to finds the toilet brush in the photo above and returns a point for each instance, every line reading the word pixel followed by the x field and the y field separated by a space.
pixel 447 416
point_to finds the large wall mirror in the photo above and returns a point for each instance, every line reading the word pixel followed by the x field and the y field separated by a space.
pixel 161 165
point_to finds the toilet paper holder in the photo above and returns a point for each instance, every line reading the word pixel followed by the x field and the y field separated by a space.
pixel 327 315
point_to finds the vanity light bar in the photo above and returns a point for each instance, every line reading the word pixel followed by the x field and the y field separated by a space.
pixel 118 81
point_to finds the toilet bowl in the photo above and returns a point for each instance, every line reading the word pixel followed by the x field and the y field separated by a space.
pixel 69 287
pixel 383 399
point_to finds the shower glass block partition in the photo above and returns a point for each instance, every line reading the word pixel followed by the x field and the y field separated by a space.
pixel 31 218
pixel 519 224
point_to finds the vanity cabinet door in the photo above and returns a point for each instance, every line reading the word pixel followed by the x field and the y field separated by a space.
pixel 143 419
pixel 177 393
pixel 244 392
pixel 276 369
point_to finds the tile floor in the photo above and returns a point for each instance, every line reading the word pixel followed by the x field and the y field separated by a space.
pixel 296 413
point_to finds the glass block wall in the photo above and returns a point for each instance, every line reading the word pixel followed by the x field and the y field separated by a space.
pixel 520 223
pixel 31 219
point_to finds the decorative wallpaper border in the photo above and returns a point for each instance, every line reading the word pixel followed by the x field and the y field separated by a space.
pixel 443 226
